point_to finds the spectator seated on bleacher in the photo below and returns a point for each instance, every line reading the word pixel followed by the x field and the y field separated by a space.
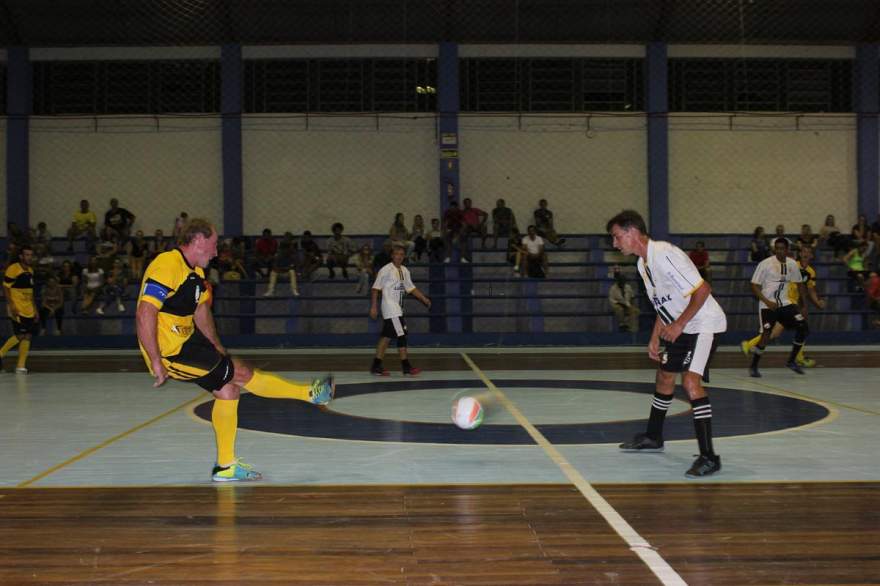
pixel 118 221
pixel 69 279
pixel 453 224
pixel 418 237
pixel 383 257
pixel 179 222
pixel 312 257
pixel 231 266
pixel 285 261
pixel 872 291
pixel 503 222
pixel 107 251
pixel 436 244
pixel 114 288
pixel 544 224
pixel 363 261
pixel 339 250
pixel 93 284
pixel 759 247
pixel 400 236
pixel 158 245
pixel 532 258
pixel 806 239
pixel 621 297
pixel 700 257
pixel 264 252
pixel 473 223
pixel 137 249
pixel 830 235
pixel 84 225
pixel 780 233
pixel 52 305
pixel 41 235
pixel 44 263
pixel 856 268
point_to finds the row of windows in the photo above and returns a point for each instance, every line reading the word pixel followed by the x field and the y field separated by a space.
pixel 409 85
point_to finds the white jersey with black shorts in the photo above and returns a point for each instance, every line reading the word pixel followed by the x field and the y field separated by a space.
pixel 394 283
pixel 776 278
pixel 670 279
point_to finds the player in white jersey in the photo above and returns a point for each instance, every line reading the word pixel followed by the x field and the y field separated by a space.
pixel 394 282
pixel 773 278
pixel 688 317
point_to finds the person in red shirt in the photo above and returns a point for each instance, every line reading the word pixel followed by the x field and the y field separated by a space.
pixel 700 257
pixel 872 290
pixel 265 249
pixel 474 220
pixel 453 224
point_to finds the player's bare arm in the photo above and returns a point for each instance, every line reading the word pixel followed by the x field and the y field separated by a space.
pixel 147 322
pixel 374 305
pixel 421 297
pixel 756 291
pixel 654 341
pixel 671 332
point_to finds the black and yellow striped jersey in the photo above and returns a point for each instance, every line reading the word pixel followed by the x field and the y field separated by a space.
pixel 808 274
pixel 176 289
pixel 19 285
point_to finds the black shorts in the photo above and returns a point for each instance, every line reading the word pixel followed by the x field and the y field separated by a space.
pixel 21 326
pixel 689 353
pixel 789 316
pixel 395 328
pixel 200 363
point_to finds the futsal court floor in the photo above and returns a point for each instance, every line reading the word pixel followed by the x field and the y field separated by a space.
pixel 106 480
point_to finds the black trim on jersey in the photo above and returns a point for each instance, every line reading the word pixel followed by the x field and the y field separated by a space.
pixel 777 296
pixel 183 256
pixel 679 272
pixel 650 276
pixel 665 316
pixel 184 301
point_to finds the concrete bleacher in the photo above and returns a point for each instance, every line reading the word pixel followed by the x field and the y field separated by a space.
pixel 483 297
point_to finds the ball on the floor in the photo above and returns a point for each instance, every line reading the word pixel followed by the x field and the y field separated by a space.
pixel 467 413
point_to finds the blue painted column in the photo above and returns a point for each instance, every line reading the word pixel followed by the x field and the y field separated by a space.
pixel 868 130
pixel 231 74
pixel 658 141
pixel 448 104
pixel 19 100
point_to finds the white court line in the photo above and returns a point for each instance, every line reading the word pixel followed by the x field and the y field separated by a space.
pixel 636 542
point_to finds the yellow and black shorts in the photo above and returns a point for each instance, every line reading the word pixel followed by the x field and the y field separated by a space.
pixel 21 326
pixel 200 363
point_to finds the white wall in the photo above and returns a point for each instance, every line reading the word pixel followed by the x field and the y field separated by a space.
pixel 156 167
pixel 766 170
pixel 359 170
pixel 587 170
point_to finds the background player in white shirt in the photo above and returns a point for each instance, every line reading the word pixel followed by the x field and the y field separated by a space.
pixel 771 282
pixel 394 282
pixel 688 317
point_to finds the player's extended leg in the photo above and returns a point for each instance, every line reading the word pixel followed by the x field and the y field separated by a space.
pixel 11 343
pixel 271 386
pixel 652 439
pixel 224 419
pixel 768 321
pixel 708 462
pixel 377 368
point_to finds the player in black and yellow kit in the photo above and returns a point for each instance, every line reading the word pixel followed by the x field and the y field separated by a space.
pixel 808 274
pixel 178 340
pixel 18 284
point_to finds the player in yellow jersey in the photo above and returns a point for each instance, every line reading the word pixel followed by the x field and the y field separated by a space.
pixel 177 337
pixel 18 284
pixel 808 274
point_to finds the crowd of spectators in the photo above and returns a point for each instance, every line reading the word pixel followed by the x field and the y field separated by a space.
pixel 117 255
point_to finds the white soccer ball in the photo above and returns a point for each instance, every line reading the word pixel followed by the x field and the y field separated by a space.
pixel 467 413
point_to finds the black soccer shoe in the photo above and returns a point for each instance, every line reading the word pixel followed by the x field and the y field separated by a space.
pixel 642 443
pixel 753 372
pixel 795 367
pixel 704 466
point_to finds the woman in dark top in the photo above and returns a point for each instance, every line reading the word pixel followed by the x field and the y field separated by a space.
pixel 759 247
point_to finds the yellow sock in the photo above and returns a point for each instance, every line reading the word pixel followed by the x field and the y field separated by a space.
pixel 753 342
pixel 800 354
pixel 9 345
pixel 23 349
pixel 224 417
pixel 271 386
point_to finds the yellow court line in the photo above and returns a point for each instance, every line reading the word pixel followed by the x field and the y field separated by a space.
pixel 801 395
pixel 106 443
pixel 637 544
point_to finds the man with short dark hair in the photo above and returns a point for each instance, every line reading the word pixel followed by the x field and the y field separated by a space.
pixel 178 340
pixel 503 221
pixel 18 284
pixel 771 282
pixel 118 221
pixel 688 318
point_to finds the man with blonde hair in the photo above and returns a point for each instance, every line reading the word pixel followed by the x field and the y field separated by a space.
pixel 178 340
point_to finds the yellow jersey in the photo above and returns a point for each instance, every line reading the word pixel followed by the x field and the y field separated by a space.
pixel 18 282
pixel 808 274
pixel 176 289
